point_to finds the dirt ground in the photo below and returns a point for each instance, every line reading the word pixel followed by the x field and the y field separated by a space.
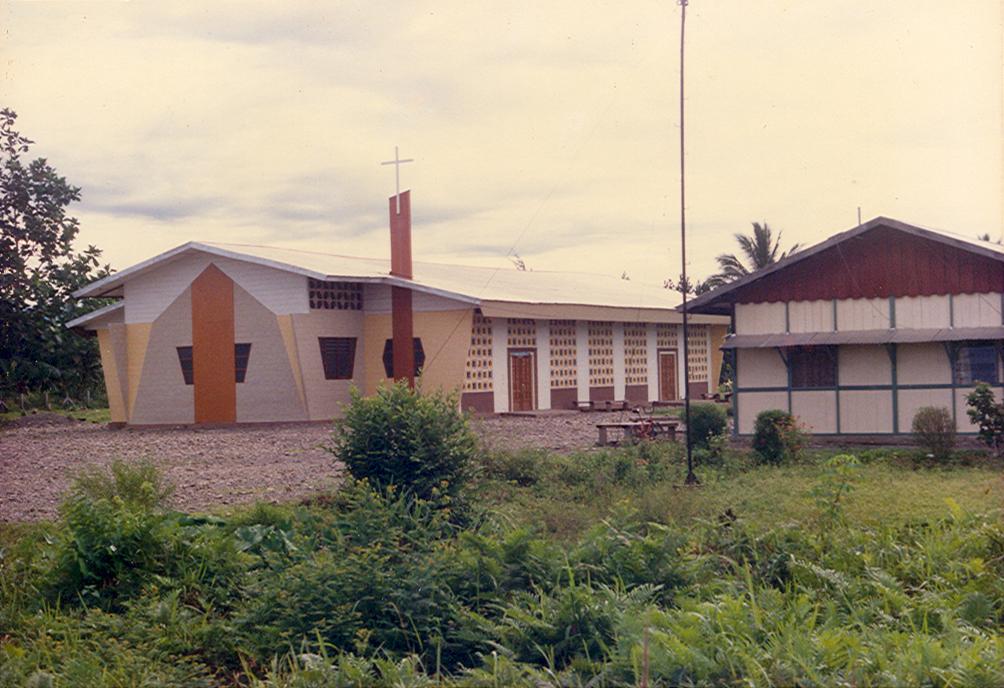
pixel 212 467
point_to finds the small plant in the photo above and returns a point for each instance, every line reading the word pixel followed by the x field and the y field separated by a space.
pixel 987 415
pixel 934 431
pixel 777 438
pixel 112 535
pixel 714 453
pixel 725 388
pixel 523 467
pixel 836 482
pixel 706 421
pixel 420 443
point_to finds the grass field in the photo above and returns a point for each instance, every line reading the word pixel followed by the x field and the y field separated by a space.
pixel 594 569
pixel 890 488
pixel 90 415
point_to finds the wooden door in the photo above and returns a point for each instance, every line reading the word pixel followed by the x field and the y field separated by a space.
pixel 667 375
pixel 522 380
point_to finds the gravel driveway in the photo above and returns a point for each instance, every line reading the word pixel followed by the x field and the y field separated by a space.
pixel 217 466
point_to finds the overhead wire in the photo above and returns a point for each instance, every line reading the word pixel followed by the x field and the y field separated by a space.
pixel 540 206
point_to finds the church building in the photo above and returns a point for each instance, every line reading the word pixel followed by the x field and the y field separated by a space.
pixel 225 333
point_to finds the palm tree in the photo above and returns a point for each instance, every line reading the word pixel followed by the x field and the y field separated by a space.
pixel 760 249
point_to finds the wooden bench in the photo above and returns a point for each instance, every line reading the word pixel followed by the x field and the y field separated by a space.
pixel 607 405
pixel 638 429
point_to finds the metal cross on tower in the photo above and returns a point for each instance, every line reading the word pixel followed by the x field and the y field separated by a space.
pixel 397 162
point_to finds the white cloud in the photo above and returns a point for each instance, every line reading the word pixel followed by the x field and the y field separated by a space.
pixel 549 125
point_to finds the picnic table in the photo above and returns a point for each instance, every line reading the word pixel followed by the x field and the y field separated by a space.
pixel 637 429
pixel 607 405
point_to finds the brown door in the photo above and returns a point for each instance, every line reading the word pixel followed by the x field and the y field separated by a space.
pixel 522 374
pixel 667 375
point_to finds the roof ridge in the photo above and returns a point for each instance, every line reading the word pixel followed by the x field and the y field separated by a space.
pixel 272 247
pixel 945 236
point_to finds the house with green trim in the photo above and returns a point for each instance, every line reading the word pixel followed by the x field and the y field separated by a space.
pixel 855 334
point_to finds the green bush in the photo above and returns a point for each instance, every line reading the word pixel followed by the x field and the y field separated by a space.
pixel 420 443
pixel 377 579
pixel 706 421
pixel 522 467
pixel 777 437
pixel 934 430
pixel 987 415
pixel 112 535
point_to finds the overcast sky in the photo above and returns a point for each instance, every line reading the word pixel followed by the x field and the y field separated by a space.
pixel 547 127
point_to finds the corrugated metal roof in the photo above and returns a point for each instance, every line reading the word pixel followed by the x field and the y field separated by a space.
pixel 467 282
pixel 897 336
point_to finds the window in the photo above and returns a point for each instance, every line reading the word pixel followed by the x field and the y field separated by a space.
pixel 388 356
pixel 335 296
pixel 242 354
pixel 338 355
pixel 975 362
pixel 185 359
pixel 813 366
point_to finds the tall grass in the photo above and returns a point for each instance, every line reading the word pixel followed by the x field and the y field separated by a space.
pixel 584 570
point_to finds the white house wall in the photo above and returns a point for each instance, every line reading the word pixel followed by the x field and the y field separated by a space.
pixel 976 310
pixel 582 360
pixel 761 368
pixel 500 362
pixel 619 374
pixel 923 312
pixel 326 398
pixel 863 314
pixel 146 296
pixel 866 411
pixel 908 312
pixel 752 403
pixel 910 401
pixel 269 391
pixel 866 376
pixel 863 365
pixel 810 316
pixel 816 409
pixel 760 318
pixel 923 364
pixel 543 331
pixel 161 394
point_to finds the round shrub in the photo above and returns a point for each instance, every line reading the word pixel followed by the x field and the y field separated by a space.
pixel 706 422
pixel 420 443
pixel 934 430
pixel 777 437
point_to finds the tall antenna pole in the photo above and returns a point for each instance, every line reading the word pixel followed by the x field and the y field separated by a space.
pixel 691 478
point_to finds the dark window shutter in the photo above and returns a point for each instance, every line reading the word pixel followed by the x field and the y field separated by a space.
pixel 242 354
pixel 813 367
pixel 976 362
pixel 185 359
pixel 338 355
pixel 388 356
pixel 419 356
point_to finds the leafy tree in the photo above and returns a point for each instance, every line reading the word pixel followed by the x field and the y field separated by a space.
pixel 987 415
pixel 760 249
pixel 39 270
pixel 695 287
